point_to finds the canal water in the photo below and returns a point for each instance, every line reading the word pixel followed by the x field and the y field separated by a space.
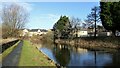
pixel 66 55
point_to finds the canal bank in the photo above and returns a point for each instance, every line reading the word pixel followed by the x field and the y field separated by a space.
pixel 51 60
pixel 100 43
pixel 39 46
pixel 30 56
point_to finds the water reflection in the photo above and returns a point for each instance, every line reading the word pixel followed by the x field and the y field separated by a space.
pixel 62 54
pixel 67 55
pixel 115 59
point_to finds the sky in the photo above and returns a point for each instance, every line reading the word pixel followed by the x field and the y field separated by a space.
pixel 43 15
pixel 51 0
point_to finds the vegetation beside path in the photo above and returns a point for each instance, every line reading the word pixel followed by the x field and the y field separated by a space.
pixel 31 56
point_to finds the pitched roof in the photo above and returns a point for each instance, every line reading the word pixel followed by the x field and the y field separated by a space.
pixel 35 30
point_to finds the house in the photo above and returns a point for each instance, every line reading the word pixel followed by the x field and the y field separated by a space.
pixel 35 32
pixel 82 33
pixel 31 32
pixel 23 32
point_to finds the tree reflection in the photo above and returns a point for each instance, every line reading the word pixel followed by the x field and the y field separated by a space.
pixel 115 60
pixel 62 54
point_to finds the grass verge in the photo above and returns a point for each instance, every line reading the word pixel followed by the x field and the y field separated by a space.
pixel 9 50
pixel 30 56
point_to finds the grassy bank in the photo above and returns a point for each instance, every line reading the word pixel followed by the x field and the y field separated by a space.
pixel 30 56
pixel 9 50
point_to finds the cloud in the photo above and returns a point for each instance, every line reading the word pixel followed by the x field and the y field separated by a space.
pixel 53 16
pixel 49 16
pixel 25 5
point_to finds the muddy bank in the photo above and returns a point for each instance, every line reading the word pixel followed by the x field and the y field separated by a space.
pixel 100 43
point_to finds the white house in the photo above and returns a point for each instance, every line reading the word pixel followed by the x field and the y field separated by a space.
pixel 24 32
pixel 82 33
pixel 109 33
pixel 34 32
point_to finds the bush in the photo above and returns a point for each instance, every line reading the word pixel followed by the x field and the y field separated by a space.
pixel 48 37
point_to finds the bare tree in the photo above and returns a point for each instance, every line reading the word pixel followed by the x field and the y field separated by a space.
pixel 84 25
pixel 14 17
pixel 75 24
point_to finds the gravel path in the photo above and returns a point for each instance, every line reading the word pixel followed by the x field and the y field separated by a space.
pixel 13 58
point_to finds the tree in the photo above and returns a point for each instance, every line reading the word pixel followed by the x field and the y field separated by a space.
pixel 100 28
pixel 61 27
pixel 115 11
pixel 94 17
pixel 14 17
pixel 84 25
pixel 110 16
pixel 75 24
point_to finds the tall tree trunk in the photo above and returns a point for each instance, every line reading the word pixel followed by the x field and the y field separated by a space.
pixel 113 33
pixel 95 25
pixel 95 30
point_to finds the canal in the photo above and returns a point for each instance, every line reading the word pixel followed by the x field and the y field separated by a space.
pixel 66 55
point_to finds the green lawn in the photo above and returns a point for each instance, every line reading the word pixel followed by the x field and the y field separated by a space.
pixel 30 56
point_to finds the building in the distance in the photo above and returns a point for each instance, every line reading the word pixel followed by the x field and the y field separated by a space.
pixel 31 32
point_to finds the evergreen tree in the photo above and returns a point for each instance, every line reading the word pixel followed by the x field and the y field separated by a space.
pixel 62 28
pixel 110 15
